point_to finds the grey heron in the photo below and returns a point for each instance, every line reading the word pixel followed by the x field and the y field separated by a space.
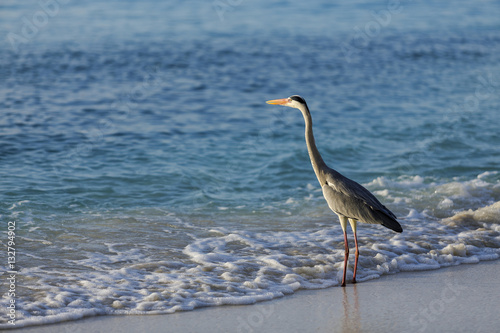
pixel 346 198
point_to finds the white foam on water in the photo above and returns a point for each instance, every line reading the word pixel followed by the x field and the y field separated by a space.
pixel 177 265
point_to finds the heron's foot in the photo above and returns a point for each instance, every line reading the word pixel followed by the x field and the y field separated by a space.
pixel 343 284
pixel 354 280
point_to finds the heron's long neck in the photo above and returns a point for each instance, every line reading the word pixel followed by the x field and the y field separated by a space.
pixel 316 160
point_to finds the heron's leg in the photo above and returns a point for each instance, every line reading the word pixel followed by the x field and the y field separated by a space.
pixel 353 226
pixel 343 224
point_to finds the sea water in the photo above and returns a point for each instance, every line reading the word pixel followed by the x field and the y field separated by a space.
pixel 142 171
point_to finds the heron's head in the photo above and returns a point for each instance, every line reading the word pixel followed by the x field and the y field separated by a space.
pixel 294 101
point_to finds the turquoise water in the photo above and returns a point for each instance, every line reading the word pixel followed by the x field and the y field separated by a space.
pixel 146 174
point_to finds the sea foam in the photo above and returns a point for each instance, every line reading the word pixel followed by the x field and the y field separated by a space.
pixel 178 264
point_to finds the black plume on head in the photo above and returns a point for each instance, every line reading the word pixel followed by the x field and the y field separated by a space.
pixel 298 99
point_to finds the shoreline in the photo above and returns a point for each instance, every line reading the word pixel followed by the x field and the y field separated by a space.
pixel 456 298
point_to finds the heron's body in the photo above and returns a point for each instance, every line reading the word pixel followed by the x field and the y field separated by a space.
pixel 346 198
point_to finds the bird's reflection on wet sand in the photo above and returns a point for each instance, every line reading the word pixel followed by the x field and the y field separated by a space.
pixel 351 321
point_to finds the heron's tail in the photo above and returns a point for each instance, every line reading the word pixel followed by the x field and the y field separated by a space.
pixel 390 222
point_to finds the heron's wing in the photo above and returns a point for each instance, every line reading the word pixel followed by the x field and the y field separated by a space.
pixel 348 198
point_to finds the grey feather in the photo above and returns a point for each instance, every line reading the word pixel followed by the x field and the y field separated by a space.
pixel 350 199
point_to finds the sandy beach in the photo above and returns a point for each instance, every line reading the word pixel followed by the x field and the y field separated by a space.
pixel 454 299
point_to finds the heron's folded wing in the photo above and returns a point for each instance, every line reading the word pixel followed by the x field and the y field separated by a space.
pixel 349 196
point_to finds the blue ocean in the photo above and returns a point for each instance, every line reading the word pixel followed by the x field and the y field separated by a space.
pixel 142 171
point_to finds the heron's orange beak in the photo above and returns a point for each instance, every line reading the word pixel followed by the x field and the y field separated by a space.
pixel 278 101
